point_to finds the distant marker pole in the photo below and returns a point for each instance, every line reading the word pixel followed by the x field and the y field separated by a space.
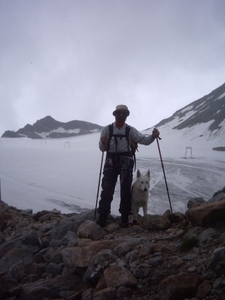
pixel 160 155
pixel 99 180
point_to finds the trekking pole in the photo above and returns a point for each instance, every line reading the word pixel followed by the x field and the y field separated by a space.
pixel 157 139
pixel 99 180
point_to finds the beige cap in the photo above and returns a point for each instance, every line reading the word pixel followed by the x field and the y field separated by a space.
pixel 121 107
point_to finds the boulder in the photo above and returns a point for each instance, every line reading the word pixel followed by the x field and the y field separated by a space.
pixel 207 214
pixel 117 276
pixel 90 230
pixel 181 286
pixel 217 197
pixel 195 202
pixel 98 264
pixel 155 222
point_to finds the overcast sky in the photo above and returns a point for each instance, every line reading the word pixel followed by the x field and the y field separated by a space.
pixel 77 59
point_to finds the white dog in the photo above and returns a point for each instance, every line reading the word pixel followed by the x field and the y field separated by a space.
pixel 140 194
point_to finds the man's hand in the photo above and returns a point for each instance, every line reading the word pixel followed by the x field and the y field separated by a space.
pixel 155 133
pixel 104 140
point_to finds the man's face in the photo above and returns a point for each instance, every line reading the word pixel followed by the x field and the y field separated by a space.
pixel 121 116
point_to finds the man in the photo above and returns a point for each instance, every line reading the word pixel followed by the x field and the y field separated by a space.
pixel 119 161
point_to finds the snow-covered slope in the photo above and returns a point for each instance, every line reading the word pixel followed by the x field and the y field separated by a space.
pixel 201 119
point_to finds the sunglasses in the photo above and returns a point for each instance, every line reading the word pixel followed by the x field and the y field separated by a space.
pixel 121 113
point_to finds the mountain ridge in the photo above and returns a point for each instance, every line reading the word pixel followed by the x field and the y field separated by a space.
pixel 208 111
pixel 203 111
pixel 205 116
pixel 48 127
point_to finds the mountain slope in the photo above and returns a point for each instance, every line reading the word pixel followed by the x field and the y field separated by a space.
pixel 206 116
pixel 50 128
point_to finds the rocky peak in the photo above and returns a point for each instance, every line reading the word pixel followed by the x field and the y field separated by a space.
pixel 50 128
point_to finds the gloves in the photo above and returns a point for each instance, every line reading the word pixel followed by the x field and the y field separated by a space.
pixel 155 133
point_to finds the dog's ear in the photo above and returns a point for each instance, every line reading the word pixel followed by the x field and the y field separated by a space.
pixel 148 173
pixel 138 173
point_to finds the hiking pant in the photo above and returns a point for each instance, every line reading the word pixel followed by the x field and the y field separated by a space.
pixel 117 164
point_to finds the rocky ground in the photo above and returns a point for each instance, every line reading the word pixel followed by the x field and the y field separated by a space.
pixel 49 255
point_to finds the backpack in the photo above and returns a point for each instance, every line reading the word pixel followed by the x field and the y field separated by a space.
pixel 131 143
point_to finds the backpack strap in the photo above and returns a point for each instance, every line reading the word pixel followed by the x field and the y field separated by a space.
pixel 127 131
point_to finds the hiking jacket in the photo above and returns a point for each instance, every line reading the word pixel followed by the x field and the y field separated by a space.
pixel 122 145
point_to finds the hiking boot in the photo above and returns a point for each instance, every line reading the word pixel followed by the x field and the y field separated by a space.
pixel 124 221
pixel 123 225
pixel 102 220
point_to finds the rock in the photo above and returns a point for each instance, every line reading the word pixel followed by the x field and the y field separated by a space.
pixel 49 255
pixel 4 217
pixel 203 289
pixel 220 191
pixel 87 295
pixel 155 261
pixel 97 266
pixel 90 230
pixel 207 214
pixel 141 270
pixel 217 197
pixel 125 247
pixel 205 235
pixel 106 294
pixel 123 292
pixel 190 256
pixel 36 291
pixel 217 255
pixel 117 276
pixel 80 257
pixel 70 239
pixel 181 286
pixel 176 217
pixel 155 222
pixel 195 202
pixel 13 256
